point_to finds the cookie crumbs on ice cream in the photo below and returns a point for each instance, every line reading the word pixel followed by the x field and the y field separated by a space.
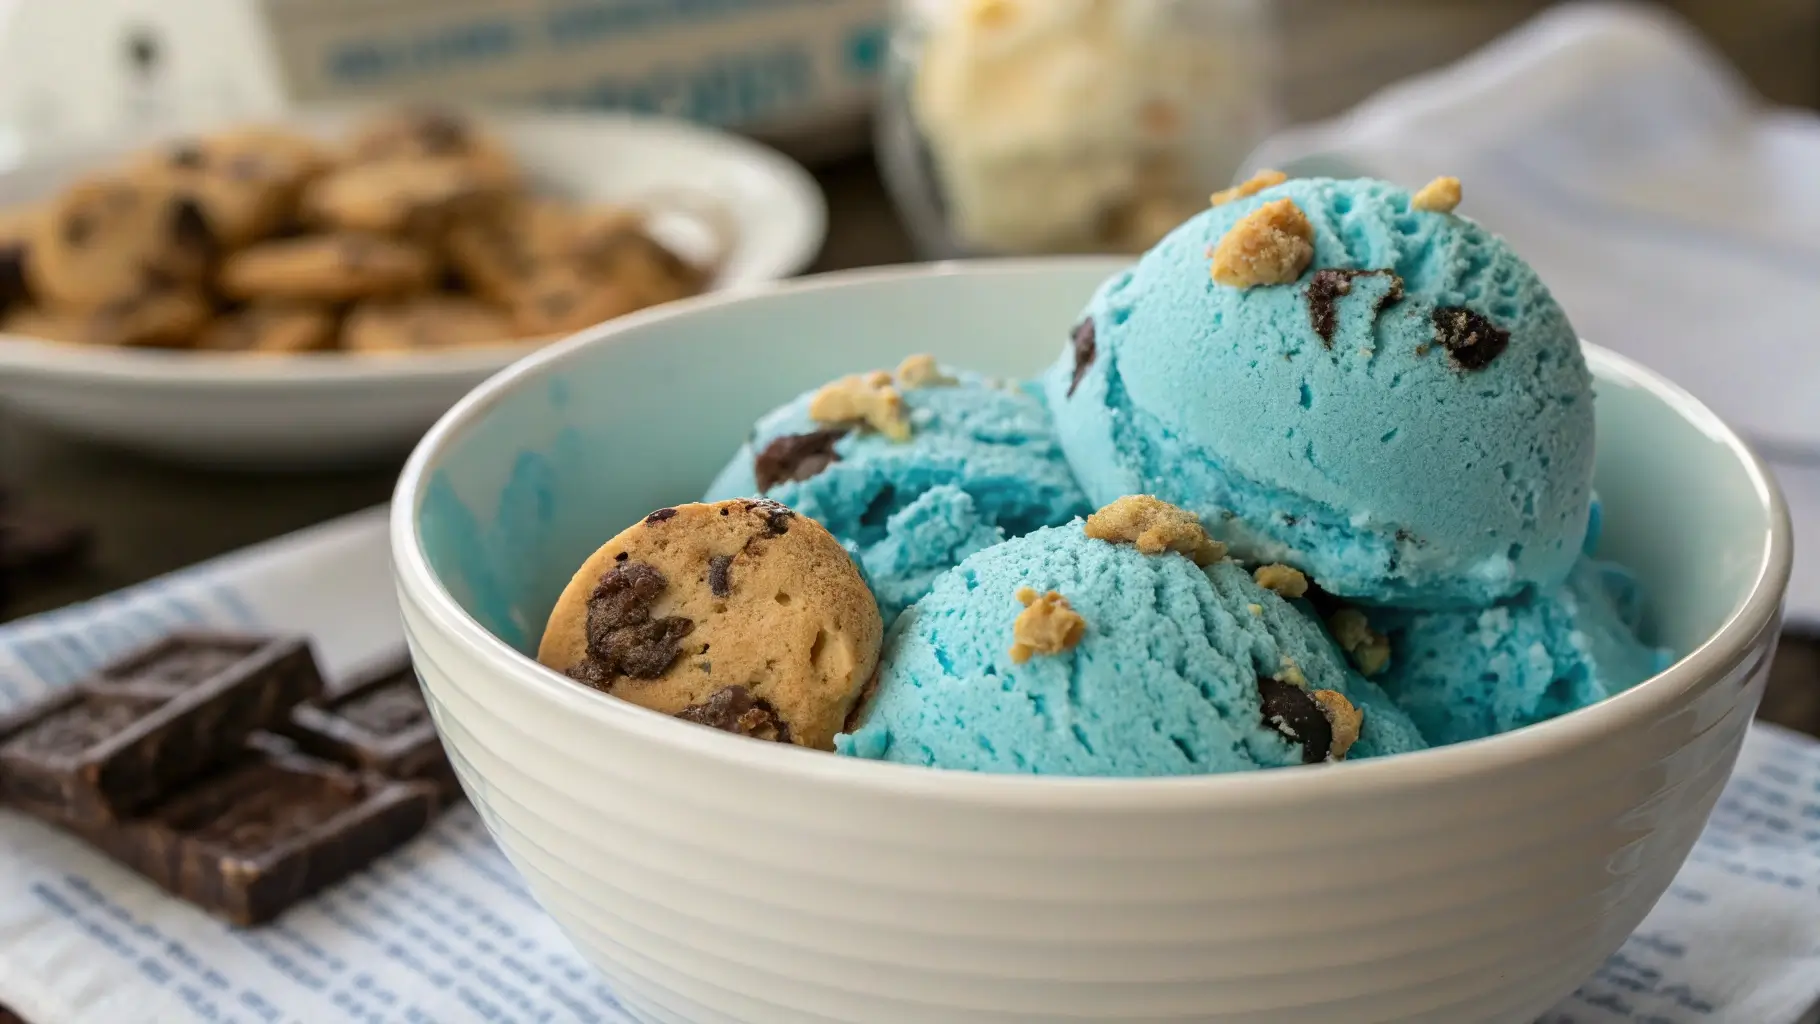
pixel 1154 526
pixel 1047 625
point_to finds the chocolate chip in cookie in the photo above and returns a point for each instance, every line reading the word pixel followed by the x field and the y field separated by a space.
pixel 736 710
pixel 623 637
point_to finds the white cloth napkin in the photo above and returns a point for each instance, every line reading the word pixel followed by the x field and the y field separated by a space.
pixel 1675 217
pixel 444 931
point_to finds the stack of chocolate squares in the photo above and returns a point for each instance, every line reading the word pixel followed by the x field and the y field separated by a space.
pixel 218 766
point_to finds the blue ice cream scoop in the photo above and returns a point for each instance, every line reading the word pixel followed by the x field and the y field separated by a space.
pixel 1409 420
pixel 1469 673
pixel 980 463
pixel 1174 669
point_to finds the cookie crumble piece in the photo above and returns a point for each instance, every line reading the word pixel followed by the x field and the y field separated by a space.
pixel 1287 581
pixel 1368 648
pixel 1154 526
pixel 1438 196
pixel 1249 187
pixel 921 371
pixel 1272 244
pixel 868 399
pixel 1047 625
pixel 1291 673
pixel 1342 718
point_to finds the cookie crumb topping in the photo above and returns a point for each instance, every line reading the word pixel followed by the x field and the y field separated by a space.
pixel 1249 187
pixel 1368 648
pixel 1471 340
pixel 921 371
pixel 1255 609
pixel 1291 673
pixel 737 710
pixel 867 399
pixel 1047 625
pixel 1342 718
pixel 1285 580
pixel 1272 244
pixel 1438 196
pixel 1154 526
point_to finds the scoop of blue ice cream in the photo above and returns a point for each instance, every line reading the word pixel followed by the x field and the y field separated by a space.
pixel 1410 421
pixel 981 464
pixel 1169 676
pixel 1462 675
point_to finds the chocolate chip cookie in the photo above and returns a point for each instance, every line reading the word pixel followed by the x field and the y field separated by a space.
pixel 271 327
pixel 247 153
pixel 564 297
pixel 111 237
pixel 498 252
pixel 246 181
pixel 416 197
pixel 426 134
pixel 168 319
pixel 741 615
pixel 336 267
pixel 424 322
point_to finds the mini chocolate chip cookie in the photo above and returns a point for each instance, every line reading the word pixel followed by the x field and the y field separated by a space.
pixel 108 238
pixel 641 263
pixel 425 134
pixel 336 267
pixel 741 615
pixel 168 319
pixel 424 322
pixel 498 252
pixel 416 197
pixel 558 298
pixel 271 327
pixel 249 153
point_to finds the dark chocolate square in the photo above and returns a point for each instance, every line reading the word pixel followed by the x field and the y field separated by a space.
pixel 147 723
pixel 378 723
pixel 264 831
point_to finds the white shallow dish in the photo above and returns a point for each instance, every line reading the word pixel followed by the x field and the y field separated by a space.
pixel 329 408
pixel 716 879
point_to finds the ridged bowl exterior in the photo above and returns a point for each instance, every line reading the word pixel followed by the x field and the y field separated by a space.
pixel 712 879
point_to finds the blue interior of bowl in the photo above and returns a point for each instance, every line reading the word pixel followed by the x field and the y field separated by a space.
pixel 585 444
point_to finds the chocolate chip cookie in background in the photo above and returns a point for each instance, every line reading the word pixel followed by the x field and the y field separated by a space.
pixel 413 234
pixel 112 238
pixel 740 615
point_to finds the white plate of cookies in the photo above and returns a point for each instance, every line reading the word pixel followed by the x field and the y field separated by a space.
pixel 317 291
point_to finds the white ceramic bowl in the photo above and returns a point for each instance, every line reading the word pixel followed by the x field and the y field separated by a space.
pixel 329 408
pixel 712 878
